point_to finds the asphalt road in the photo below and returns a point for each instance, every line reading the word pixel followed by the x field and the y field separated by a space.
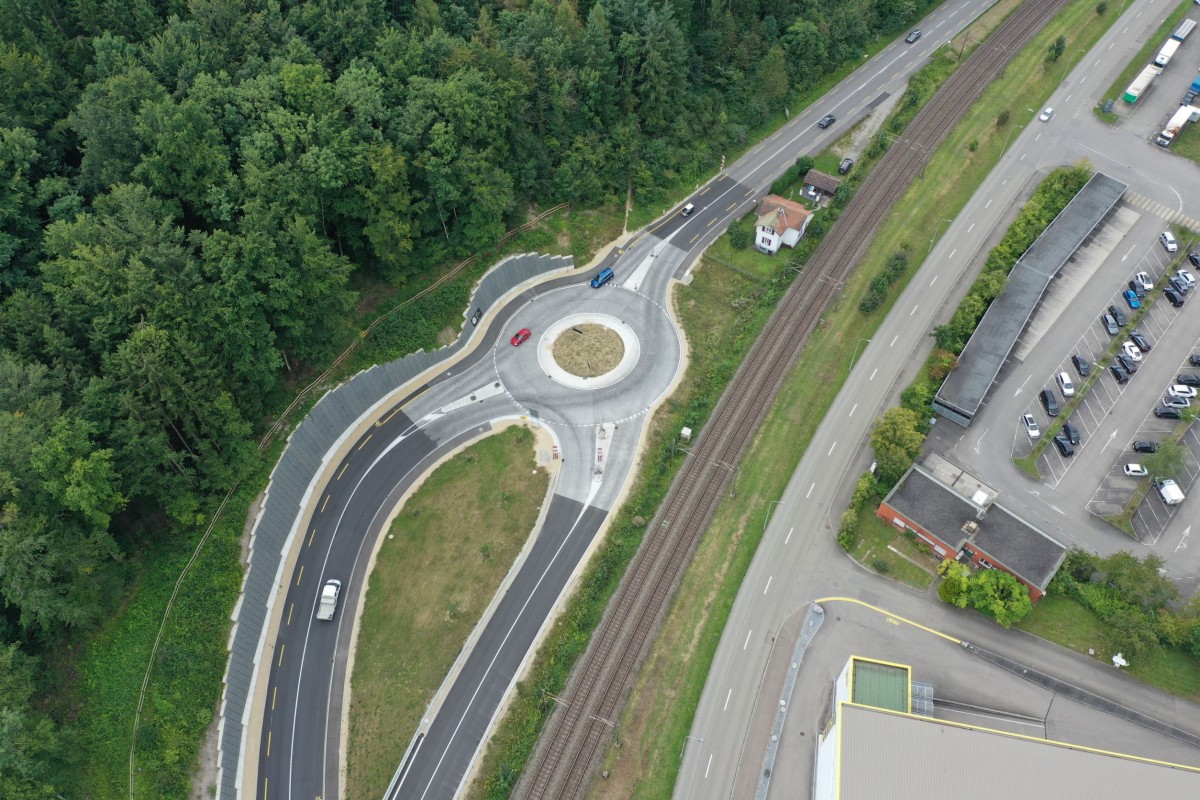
pixel 798 560
pixel 300 735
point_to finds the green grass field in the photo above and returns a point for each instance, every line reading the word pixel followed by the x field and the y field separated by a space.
pixel 889 552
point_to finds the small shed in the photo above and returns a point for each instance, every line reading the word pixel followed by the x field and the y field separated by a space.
pixel 822 183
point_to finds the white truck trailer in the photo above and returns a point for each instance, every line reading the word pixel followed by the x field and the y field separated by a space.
pixel 1164 56
pixel 1169 491
pixel 1141 83
pixel 329 598
pixel 1182 117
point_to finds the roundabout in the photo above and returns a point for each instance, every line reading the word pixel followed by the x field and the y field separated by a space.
pixel 582 343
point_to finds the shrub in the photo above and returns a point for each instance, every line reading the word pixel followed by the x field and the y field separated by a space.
pixel 1002 118
pixel 739 237
pixel 848 530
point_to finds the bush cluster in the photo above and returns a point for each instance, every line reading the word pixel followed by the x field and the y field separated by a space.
pixel 878 291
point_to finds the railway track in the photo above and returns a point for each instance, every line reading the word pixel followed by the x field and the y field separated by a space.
pixel 569 750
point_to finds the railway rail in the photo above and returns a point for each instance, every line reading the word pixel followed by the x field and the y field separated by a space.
pixel 570 748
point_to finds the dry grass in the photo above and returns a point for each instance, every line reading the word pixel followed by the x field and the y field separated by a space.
pixel 454 541
pixel 588 350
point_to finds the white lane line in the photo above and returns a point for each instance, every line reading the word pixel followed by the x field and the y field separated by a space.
pixel 918 305
pixel 727 696
pixel 952 252
pixel 810 490
pixel 973 224
pixel 851 414
pixel 932 282
pixel 747 642
pixel 873 374
pixel 1039 136
pixel 988 203
pixel 790 532
pixel 706 769
pixel 768 586
pixel 894 338
pixel 827 455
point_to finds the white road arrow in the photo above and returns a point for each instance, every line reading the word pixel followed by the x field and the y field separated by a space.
pixel 1183 539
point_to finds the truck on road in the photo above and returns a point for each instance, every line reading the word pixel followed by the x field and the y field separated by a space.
pixel 1141 83
pixel 1169 491
pixel 1182 117
pixel 1164 56
pixel 329 598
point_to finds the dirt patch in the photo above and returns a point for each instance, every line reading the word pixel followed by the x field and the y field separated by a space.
pixel 861 136
pixel 204 779
pixel 588 350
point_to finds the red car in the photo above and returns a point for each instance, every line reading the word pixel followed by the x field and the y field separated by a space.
pixel 521 336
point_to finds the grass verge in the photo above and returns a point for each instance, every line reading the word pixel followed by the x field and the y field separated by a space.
pixel 660 712
pixel 889 552
pixel 445 557
pixel 1139 62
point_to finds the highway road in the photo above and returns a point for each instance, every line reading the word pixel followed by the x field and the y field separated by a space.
pixel 298 742
pixel 798 560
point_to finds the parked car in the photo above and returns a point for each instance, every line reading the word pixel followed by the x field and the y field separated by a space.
pixel 1110 324
pixel 1141 341
pixel 1130 350
pixel 1064 447
pixel 1194 258
pixel 826 121
pixel 1082 365
pixel 1194 359
pixel 1137 289
pixel 1172 401
pixel 687 210
pixel 1144 280
pixel 1186 276
pixel 1173 297
pixel 1168 242
pixel 1143 446
pixel 1064 384
pixel 1131 299
pixel 1188 378
pixel 1179 390
pixel 845 166
pixel 1049 402
pixel 1178 284
pixel 1118 315
pixel 1117 372
pixel 912 36
pixel 1127 363
pixel 1167 412
pixel 1046 114
pixel 1136 471
pixel 1071 432
pixel 1030 425
pixel 521 336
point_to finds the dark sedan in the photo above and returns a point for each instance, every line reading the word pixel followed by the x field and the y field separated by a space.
pixel 1166 412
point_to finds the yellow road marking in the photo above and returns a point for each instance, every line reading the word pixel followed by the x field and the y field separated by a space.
pixel 324 504
pixel 397 409
pixel 311 536
pixel 732 206
pixel 364 441
pixel 291 608
pixel 268 744
pixel 282 647
pixel 265 782
pixel 273 695
pixel 705 190
pixel 895 619
pixel 749 193
pixel 345 467
pixel 300 575
pixel 711 222
pixel 694 238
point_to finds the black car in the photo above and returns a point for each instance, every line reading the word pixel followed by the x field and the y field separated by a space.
pixel 1188 379
pixel 1194 257
pixel 1173 297
pixel 1082 365
pixel 845 166
pixel 1142 446
pixel 1049 402
pixel 1071 432
pixel 1064 447
pixel 1179 284
pixel 1110 324
pixel 1127 364
pixel 1194 360
pixel 1137 289
pixel 826 121
pixel 912 37
pixel 1142 342
pixel 1166 412
pixel 1121 375
pixel 1118 315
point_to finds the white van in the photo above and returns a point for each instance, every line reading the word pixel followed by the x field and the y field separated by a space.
pixel 1064 383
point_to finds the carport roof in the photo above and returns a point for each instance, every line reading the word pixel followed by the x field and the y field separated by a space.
pixel 1002 537
pixel 879 749
pixel 980 361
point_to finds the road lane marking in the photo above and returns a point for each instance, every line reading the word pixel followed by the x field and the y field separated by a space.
pixel 747 642
pixel 694 238
pixel 792 529
pixel 706 769
pixel 971 228
pixel 894 338
pixel 364 441
pixel 265 782
pixel 311 536
pixel 300 575
pixel 831 449
pixel 873 374
pixel 273 695
pixel 932 282
pixel 732 206
pixel 810 490
pixel 988 203
pixel 952 252
pixel 914 310
pixel 324 504
pixel 282 647
pixel 768 586
pixel 727 696
pixel 345 467
pixel 291 608
pixel 851 414
pixel 711 222
pixel 269 743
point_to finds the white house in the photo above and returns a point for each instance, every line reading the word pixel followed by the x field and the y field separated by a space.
pixel 780 221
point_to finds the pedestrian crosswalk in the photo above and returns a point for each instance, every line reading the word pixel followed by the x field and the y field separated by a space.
pixel 1158 209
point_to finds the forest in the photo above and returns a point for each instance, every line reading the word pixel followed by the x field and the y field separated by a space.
pixel 191 190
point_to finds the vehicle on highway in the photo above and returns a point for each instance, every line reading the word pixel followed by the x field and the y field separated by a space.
pixel 1127 363
pixel 1179 390
pixel 1188 379
pixel 1144 280
pixel 1082 365
pixel 1110 324
pixel 1049 402
pixel 1141 341
pixel 1186 276
pixel 329 598
pixel 1031 426
pixel 1131 299
pixel 687 210
pixel 1064 447
pixel 1130 350
pixel 1168 242
pixel 1120 374
pixel 1071 432
pixel 1118 315
pixel 826 121
pixel 1143 446
pixel 1173 297
pixel 912 36
pixel 1064 384
pixel 1167 412
pixel 845 166
pixel 1046 114
pixel 521 336
pixel 1176 401
pixel 1136 471
pixel 604 276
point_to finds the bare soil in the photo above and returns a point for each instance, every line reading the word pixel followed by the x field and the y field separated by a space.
pixel 588 350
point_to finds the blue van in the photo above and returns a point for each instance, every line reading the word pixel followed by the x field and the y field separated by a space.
pixel 605 275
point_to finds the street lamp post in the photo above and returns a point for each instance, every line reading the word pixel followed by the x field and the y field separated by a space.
pixel 767 519
pixel 685 741
pixel 734 471
pixel 936 228
pixel 1009 136
pixel 855 355
pixel 1067 68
